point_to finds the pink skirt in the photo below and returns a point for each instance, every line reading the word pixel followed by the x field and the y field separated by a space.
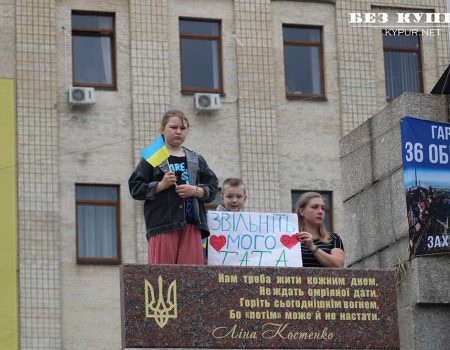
pixel 181 246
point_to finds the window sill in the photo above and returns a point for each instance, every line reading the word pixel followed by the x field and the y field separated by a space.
pixel 97 87
pixel 308 97
pixel 94 261
pixel 188 93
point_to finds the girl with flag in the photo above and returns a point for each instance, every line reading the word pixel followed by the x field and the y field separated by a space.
pixel 174 182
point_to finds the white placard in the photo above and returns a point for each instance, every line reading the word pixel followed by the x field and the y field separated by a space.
pixel 253 239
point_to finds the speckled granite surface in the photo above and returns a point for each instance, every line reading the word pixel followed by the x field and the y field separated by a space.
pixel 260 308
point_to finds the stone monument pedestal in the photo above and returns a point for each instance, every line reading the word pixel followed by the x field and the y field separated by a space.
pixel 224 307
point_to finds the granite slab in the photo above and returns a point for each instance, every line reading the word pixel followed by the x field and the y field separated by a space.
pixel 225 307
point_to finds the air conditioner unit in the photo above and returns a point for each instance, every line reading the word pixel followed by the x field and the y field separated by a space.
pixel 207 102
pixel 81 95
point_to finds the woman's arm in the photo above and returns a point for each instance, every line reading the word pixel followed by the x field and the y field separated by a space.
pixel 336 257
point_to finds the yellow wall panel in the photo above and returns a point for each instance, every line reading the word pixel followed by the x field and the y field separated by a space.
pixel 8 251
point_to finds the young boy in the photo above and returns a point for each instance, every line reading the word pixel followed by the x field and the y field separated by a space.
pixel 233 195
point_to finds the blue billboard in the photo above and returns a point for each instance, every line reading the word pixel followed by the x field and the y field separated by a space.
pixel 426 176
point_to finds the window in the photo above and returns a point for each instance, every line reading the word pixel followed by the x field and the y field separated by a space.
pixel 97 215
pixel 93 50
pixel 303 62
pixel 201 56
pixel 328 201
pixel 402 64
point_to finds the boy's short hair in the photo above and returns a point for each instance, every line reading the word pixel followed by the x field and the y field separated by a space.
pixel 233 182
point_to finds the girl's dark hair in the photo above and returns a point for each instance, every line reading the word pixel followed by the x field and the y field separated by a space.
pixel 174 113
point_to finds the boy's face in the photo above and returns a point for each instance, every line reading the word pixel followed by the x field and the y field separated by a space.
pixel 233 198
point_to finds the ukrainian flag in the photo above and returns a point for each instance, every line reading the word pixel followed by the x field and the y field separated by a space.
pixel 156 152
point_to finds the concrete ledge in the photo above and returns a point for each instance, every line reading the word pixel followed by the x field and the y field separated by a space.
pixel 398 205
pixel 355 139
pixel 424 303
pixel 356 168
pixel 433 279
pixel 386 153
pixel 423 106
pixel 430 331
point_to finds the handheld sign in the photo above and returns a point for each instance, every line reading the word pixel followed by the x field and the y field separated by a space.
pixel 253 239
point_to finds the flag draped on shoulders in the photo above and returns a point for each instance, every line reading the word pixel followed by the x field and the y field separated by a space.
pixel 156 152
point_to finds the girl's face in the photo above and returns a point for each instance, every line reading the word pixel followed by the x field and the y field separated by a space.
pixel 174 132
pixel 314 212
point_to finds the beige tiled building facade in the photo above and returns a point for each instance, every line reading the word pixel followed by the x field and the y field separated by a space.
pixel 279 138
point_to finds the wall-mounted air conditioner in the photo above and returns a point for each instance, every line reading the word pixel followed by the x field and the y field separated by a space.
pixel 81 95
pixel 207 102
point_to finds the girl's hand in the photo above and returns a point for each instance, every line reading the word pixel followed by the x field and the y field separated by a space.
pixel 168 180
pixel 185 191
pixel 306 238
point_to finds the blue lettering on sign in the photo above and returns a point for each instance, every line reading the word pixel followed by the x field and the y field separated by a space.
pixel 245 260
pixel 274 242
pixel 246 242
pixel 226 225
pixel 236 241
pixel 239 220
pixel 213 220
pixel 250 242
pixel 245 222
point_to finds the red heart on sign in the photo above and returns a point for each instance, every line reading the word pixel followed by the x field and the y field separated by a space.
pixel 217 242
pixel 289 241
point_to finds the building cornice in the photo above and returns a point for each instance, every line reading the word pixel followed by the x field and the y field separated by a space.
pixel 318 1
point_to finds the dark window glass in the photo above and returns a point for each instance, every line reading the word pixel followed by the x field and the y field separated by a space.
pixel 301 34
pixel 327 197
pixel 302 78
pixel 199 27
pixel 401 41
pixel 402 64
pixel 80 21
pixel 93 50
pixel 97 209
pixel 303 67
pixel 200 50
pixel 92 59
pixel 200 56
pixel 96 193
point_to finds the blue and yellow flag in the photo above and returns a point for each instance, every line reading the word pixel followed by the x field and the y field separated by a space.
pixel 156 152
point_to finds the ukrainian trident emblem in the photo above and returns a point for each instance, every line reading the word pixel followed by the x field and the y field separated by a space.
pixel 161 310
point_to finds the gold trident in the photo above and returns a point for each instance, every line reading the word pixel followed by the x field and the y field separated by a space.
pixel 162 311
